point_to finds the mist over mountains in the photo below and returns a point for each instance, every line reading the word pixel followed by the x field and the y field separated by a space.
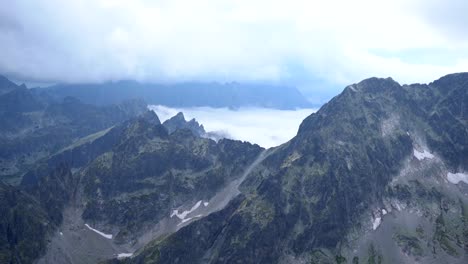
pixel 190 94
pixel 222 132
pixel 264 126
pixel 379 174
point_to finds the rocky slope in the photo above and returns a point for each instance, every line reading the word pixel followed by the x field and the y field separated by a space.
pixel 29 217
pixel 113 191
pixel 122 187
pixel 23 226
pixel 34 127
pixel 178 122
pixel 378 175
pixel 151 171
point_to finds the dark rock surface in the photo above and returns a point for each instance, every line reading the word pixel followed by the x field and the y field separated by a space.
pixel 372 177
pixel 350 187
pixel 33 128
pixel 178 122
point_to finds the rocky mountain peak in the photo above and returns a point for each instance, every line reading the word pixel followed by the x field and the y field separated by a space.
pixel 451 81
pixel 374 85
pixel 151 117
pixel 364 181
pixel 178 122
pixel 377 175
pixel 179 116
pixel 6 85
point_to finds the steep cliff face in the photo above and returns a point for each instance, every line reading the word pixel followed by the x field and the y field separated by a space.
pixel 377 175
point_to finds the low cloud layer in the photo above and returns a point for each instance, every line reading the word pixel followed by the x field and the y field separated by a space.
pixel 306 43
pixel 265 127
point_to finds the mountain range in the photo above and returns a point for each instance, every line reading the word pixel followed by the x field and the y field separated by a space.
pixel 190 94
pixel 378 175
pixel 35 126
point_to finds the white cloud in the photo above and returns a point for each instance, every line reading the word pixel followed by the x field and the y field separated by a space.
pixel 266 127
pixel 254 40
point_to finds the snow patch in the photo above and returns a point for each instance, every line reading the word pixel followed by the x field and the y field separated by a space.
pixel 61 233
pixel 384 212
pixel 206 204
pixel 376 223
pixel 99 232
pixel 124 255
pixel 455 178
pixel 188 219
pixel 184 214
pixel 399 206
pixel 422 155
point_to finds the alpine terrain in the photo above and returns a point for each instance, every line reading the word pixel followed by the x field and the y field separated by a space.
pixel 378 175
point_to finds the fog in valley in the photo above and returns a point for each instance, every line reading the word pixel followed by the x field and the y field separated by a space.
pixel 263 126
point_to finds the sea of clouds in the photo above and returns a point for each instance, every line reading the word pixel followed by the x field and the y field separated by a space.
pixel 263 126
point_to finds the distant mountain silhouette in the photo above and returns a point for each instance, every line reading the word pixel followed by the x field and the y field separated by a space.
pixel 190 94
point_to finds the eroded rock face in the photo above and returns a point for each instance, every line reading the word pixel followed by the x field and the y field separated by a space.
pixel 349 187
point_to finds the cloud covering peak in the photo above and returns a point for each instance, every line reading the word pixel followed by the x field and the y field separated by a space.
pixel 294 41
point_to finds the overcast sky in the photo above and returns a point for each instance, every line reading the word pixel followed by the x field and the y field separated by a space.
pixel 308 43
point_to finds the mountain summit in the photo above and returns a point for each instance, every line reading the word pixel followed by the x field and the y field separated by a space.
pixel 378 175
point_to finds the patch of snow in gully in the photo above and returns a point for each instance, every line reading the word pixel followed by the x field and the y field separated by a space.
pixel 456 178
pixel 108 236
pixel 376 223
pixel 189 219
pixel 184 214
pixel 422 155
pixel 124 255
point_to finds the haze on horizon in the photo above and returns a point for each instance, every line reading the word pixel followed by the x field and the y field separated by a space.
pixel 318 46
